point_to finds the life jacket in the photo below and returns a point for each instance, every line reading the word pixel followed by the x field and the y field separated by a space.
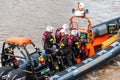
pixel 74 41
pixel 58 35
pixel 65 41
pixel 48 39
pixel 47 36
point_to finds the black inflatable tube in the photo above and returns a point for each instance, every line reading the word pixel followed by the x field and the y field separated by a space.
pixel 115 21
pixel 89 64
pixel 96 29
pixel 97 65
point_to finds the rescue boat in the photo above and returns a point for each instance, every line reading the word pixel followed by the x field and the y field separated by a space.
pixel 102 43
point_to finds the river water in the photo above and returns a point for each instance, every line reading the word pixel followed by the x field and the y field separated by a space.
pixel 29 18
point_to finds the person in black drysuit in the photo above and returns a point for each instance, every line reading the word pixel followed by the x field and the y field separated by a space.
pixel 76 45
pixel 48 38
pixel 64 48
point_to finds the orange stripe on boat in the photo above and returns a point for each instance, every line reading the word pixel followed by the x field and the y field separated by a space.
pixel 108 42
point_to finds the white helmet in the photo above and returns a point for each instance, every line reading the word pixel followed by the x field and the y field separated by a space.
pixel 65 26
pixel 74 32
pixel 50 28
pixel 81 4
pixel 63 31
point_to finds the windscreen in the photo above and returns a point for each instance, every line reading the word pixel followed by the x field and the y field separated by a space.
pixel 30 48
pixel 83 35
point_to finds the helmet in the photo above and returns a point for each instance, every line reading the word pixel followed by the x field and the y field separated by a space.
pixel 65 26
pixel 50 28
pixel 63 31
pixel 81 4
pixel 74 32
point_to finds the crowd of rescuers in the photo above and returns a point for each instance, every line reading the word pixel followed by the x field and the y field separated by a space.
pixel 64 40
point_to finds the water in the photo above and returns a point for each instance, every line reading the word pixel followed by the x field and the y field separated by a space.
pixel 29 18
